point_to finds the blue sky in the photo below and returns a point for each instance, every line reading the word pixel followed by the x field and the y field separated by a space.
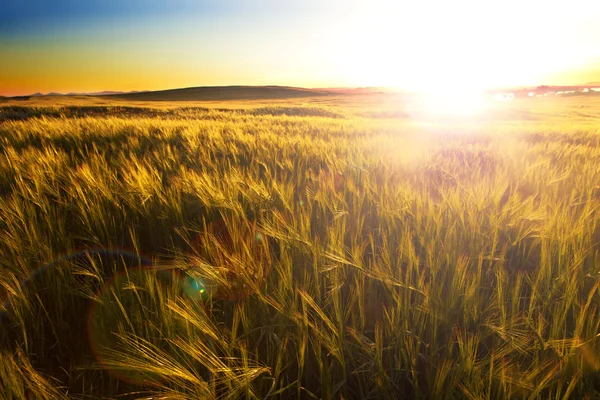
pixel 21 17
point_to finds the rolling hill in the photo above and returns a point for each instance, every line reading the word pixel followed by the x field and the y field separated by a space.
pixel 223 93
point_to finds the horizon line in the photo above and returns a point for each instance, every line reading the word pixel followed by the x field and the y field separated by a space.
pixel 109 92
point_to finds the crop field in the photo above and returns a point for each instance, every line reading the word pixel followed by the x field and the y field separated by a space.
pixel 299 250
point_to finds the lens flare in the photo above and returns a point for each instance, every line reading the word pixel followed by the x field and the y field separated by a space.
pixel 86 255
pixel 94 274
pixel 448 102
pixel 122 305
pixel 197 288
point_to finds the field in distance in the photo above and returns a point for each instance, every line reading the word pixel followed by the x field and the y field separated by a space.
pixel 379 103
pixel 316 245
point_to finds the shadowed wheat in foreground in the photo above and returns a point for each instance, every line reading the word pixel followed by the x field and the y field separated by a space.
pixel 298 252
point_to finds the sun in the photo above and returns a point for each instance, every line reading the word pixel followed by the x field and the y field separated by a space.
pixel 450 53
pixel 451 100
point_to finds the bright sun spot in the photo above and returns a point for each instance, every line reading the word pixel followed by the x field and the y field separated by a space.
pixel 452 53
pixel 449 101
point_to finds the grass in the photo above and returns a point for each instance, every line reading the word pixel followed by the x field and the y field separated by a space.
pixel 299 251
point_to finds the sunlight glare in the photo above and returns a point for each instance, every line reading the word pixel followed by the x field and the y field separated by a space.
pixel 450 101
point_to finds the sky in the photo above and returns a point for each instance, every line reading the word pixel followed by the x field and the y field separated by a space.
pixel 96 45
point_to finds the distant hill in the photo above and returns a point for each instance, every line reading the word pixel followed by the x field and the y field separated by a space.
pixel 359 90
pixel 104 93
pixel 220 93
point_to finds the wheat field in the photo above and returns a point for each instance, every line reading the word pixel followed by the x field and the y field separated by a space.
pixel 299 251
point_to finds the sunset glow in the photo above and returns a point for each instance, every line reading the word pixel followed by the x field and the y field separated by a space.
pixel 95 46
pixel 450 102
